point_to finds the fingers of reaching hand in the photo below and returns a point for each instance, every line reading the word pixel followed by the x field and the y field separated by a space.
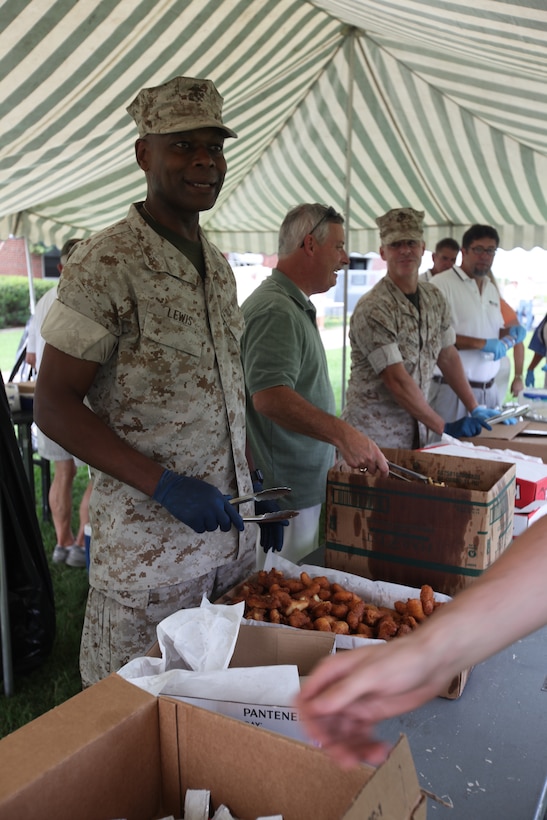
pixel 347 740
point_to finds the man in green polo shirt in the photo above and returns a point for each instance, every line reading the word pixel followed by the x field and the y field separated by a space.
pixel 291 425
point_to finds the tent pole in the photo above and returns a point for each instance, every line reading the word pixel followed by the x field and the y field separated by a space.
pixel 349 119
pixel 32 298
pixel 5 630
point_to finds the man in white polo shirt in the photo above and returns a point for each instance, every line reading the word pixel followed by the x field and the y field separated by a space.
pixel 481 338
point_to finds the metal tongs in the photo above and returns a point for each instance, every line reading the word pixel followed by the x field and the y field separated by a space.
pixel 407 475
pixel 509 413
pixel 263 495
pixel 266 495
pixel 282 515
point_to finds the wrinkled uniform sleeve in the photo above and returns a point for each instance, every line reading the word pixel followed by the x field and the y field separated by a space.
pixel 70 332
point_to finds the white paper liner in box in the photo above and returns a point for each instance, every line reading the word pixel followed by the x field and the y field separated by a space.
pixel 197 645
pixel 202 638
pixel 380 593
pixel 478 451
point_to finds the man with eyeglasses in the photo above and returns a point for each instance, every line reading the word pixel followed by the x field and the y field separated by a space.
pixel 481 336
pixel 291 423
pixel 399 331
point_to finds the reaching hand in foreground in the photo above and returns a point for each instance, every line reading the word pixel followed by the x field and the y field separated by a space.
pixel 347 694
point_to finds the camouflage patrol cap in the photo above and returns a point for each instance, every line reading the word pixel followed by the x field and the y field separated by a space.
pixel 66 249
pixel 399 224
pixel 182 104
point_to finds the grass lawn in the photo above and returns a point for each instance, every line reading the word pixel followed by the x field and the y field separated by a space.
pixel 9 344
pixel 58 678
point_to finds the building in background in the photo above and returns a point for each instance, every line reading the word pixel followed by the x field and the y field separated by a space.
pixel 13 259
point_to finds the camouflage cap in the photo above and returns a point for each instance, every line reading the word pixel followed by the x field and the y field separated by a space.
pixel 66 249
pixel 399 224
pixel 182 104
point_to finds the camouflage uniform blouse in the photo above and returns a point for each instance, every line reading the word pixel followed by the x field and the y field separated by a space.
pixel 170 384
pixel 386 328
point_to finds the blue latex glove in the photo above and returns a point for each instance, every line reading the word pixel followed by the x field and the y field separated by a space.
pixel 544 368
pixel 196 503
pixel 510 421
pixel 518 332
pixel 483 413
pixel 271 533
pixel 530 380
pixel 498 347
pixel 468 427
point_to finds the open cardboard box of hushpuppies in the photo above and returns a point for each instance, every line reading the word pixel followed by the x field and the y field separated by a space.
pixel 115 751
pixel 378 593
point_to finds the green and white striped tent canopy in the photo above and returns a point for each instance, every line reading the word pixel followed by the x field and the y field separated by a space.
pixel 363 104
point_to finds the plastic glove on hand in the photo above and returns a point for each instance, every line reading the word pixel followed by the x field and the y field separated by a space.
pixel 530 380
pixel 512 420
pixel 468 427
pixel 498 347
pixel 483 413
pixel 518 332
pixel 544 368
pixel 271 532
pixel 196 503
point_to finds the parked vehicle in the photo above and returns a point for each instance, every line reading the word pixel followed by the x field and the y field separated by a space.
pixel 362 276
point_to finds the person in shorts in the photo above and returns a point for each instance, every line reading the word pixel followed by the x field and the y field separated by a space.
pixel 69 548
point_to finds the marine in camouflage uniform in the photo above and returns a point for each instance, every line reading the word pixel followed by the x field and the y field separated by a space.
pixel 398 332
pixel 168 382
pixel 386 328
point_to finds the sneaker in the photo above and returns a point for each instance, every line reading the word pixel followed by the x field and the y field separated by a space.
pixel 76 556
pixel 60 554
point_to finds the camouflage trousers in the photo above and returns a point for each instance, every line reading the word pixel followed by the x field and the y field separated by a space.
pixel 119 625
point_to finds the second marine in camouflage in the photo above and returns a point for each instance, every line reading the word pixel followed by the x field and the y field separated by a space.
pixel 398 332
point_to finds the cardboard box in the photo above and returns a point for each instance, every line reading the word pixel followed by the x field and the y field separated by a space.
pixel 20 396
pixel 375 592
pixel 524 518
pixel 531 483
pixel 530 476
pixel 414 533
pixel 114 751
pixel 269 647
pixel 26 395
pixel 529 437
